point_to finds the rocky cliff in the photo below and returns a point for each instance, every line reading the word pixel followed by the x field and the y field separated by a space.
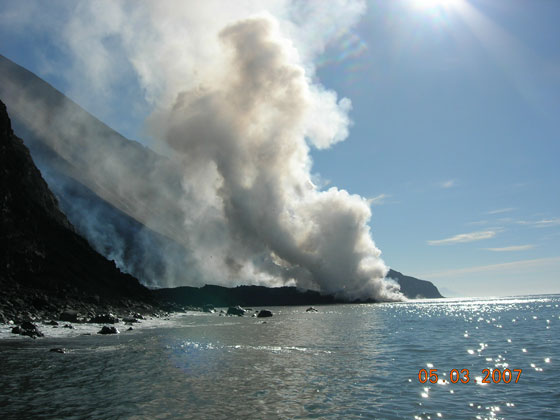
pixel 44 263
pixel 414 288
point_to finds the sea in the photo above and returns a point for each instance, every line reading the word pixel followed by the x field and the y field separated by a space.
pixel 422 359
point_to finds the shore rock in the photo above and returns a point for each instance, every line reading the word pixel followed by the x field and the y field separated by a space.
pixel 236 310
pixel 69 316
pixel 311 309
pixel 108 330
pixel 29 329
pixel 130 320
pixel 264 314
pixel 209 309
pixel 104 319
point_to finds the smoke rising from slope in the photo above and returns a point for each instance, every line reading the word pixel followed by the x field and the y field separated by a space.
pixel 249 128
pixel 236 104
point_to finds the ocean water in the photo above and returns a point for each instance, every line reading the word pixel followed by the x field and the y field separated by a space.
pixel 344 362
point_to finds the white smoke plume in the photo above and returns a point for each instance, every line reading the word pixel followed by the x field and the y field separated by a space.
pixel 238 106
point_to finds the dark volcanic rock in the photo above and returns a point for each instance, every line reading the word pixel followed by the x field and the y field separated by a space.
pixel 220 296
pixel 58 350
pixel 414 288
pixel 104 319
pixel 264 314
pixel 60 134
pixel 208 308
pixel 278 296
pixel 236 310
pixel 311 309
pixel 44 263
pixel 40 302
pixel 69 316
pixel 52 322
pixel 29 329
pixel 108 330
pixel 130 320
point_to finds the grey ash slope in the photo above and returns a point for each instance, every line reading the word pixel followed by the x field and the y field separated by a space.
pixel 130 222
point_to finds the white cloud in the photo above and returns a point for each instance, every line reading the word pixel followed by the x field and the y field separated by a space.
pixel 512 248
pixel 378 200
pixel 499 211
pixel 465 237
pixel 541 223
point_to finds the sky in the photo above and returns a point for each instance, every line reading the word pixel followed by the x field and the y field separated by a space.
pixel 454 135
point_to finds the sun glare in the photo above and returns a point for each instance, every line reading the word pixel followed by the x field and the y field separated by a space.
pixel 433 4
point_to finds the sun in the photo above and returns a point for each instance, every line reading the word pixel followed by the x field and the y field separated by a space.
pixel 434 4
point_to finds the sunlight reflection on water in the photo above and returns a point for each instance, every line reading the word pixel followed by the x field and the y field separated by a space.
pixel 347 361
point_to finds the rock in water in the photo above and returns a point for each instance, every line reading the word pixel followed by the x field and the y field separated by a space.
pixel 208 308
pixel 58 350
pixel 108 330
pixel 264 314
pixel 236 310
pixel 311 309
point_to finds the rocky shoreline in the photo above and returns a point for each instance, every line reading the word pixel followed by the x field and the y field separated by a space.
pixel 28 311
pixel 37 313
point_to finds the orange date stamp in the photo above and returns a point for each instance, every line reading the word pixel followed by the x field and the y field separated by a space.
pixel 495 376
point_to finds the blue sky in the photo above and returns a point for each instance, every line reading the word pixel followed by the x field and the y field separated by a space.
pixel 456 130
pixel 455 135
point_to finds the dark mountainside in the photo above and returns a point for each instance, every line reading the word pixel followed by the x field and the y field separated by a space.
pixel 244 296
pixel 414 288
pixel 45 265
pixel 134 216
pixel 280 296
pixel 71 147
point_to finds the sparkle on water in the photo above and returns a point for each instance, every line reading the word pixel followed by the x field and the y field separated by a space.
pixel 346 361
